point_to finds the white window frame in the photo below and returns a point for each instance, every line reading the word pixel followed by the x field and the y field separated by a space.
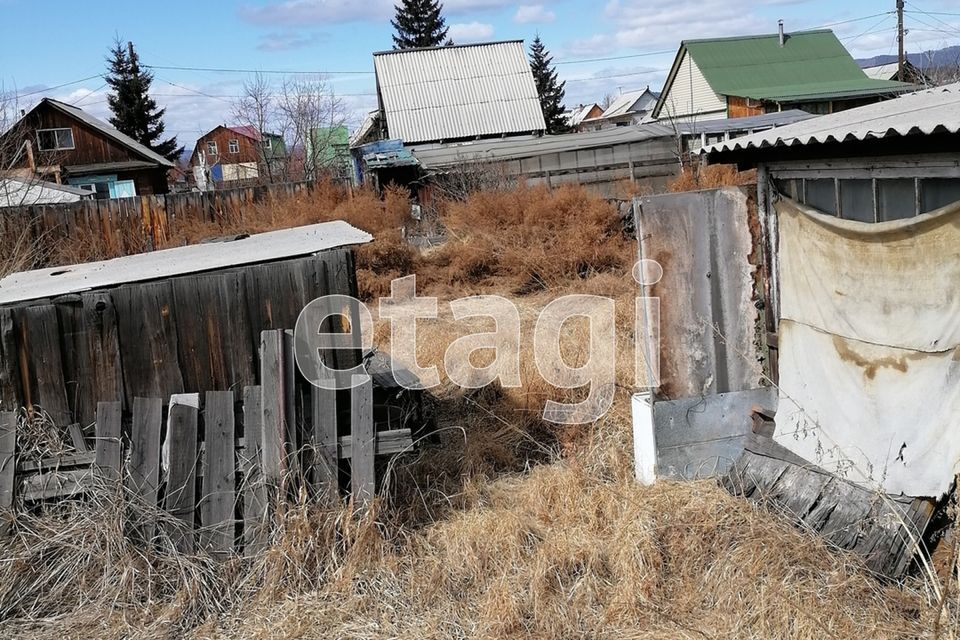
pixel 233 145
pixel 266 143
pixel 56 139
pixel 212 148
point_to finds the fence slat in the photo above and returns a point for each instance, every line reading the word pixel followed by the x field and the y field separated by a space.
pixel 294 441
pixel 325 459
pixel 255 502
pixel 8 448
pixel 362 473
pixel 108 440
pixel 219 472
pixel 181 498
pixel 273 406
pixel 144 469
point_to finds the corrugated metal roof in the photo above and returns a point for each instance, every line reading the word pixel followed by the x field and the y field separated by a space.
pixel 457 92
pixel 882 71
pixel 811 65
pixel 261 247
pixel 765 121
pixel 108 131
pixel 923 112
pixel 515 148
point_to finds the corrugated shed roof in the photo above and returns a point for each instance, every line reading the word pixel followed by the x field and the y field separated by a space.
pixel 457 92
pixel 765 121
pixel 515 148
pixel 108 131
pixel 196 258
pixel 924 112
pixel 811 65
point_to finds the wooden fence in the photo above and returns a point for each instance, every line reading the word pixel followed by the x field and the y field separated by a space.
pixel 219 464
pixel 131 225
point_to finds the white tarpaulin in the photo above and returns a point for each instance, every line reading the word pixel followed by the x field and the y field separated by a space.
pixel 869 336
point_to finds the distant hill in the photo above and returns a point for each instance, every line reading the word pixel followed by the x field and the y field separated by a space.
pixel 923 61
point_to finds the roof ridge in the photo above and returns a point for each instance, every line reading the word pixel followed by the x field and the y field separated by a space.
pixel 758 36
pixel 444 47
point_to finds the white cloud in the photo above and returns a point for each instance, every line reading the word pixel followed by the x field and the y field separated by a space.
pixel 533 13
pixel 288 41
pixel 465 32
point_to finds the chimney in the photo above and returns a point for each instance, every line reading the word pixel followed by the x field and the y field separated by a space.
pixel 780 24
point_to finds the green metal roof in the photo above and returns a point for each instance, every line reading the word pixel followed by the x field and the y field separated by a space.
pixel 810 64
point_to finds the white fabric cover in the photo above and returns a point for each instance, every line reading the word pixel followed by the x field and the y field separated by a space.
pixel 869 335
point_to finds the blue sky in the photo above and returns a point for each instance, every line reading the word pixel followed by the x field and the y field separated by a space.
pixel 71 39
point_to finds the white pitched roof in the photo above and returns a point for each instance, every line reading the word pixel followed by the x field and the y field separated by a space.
pixel 625 101
pixel 882 71
pixel 457 92
pixel 576 115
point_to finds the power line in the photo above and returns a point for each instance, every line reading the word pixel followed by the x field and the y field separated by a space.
pixel 270 71
pixel 860 19
pixel 625 57
pixel 943 22
pixel 933 27
pixel 59 86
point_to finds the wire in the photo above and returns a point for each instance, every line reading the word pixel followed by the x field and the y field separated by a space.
pixel 953 30
pixel 943 22
pixel 59 86
pixel 271 71
pixel 90 93
pixel 871 29
pixel 625 57
pixel 834 24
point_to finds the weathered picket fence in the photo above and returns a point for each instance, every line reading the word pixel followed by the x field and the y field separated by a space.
pixel 219 463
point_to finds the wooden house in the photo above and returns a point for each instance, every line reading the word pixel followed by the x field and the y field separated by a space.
pixel 60 143
pixel 235 153
pixel 752 75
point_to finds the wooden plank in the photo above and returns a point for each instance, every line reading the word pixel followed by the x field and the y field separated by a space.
pixel 61 462
pixel 56 484
pixel 100 354
pixel 215 339
pixel 362 473
pixel 77 439
pixel 255 500
pixel 385 443
pixel 219 472
pixel 294 438
pixel 325 459
pixel 181 497
pixel 272 407
pixel 143 475
pixel 40 351
pixel 148 340
pixel 108 444
pixel 8 449
pixel 10 394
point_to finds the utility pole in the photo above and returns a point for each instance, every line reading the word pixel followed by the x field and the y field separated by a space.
pixel 900 58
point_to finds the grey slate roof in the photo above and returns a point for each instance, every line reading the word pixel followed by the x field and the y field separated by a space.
pixel 922 112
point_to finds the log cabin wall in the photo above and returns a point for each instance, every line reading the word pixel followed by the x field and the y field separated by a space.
pixel 191 333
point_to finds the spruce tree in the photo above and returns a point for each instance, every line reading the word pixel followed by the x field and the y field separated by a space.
pixel 419 23
pixel 135 113
pixel 550 91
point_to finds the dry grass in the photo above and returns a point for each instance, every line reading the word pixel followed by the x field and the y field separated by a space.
pixel 505 526
pixel 695 177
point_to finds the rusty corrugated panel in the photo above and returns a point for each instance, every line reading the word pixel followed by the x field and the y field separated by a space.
pixel 708 314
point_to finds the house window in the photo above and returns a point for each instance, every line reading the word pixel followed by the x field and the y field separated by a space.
pixel 234 146
pixel 212 147
pixel 55 139
pixel 265 143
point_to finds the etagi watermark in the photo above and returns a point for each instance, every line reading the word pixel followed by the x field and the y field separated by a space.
pixel 325 326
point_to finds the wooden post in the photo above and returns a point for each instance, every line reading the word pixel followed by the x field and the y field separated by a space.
pixel 362 473
pixel 108 440
pixel 8 464
pixel 219 472
pixel 181 499
pixel 144 470
pixel 255 502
